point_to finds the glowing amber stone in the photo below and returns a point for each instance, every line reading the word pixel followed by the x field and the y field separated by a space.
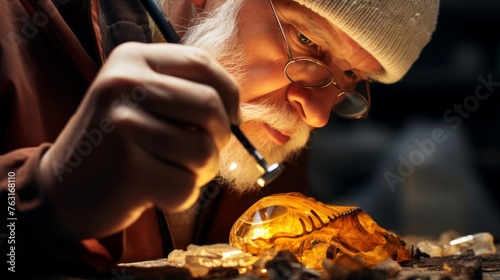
pixel 312 231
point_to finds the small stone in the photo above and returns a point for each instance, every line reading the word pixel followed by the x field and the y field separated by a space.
pixel 482 244
pixel 447 236
pixel 431 248
pixel 177 257
pixel 466 269
pixel 420 255
pixel 286 266
pixel 391 267
pixel 346 267
pixel 281 266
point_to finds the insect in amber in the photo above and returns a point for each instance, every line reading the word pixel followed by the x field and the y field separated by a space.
pixel 313 231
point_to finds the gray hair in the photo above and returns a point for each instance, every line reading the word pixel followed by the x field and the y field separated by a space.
pixel 216 32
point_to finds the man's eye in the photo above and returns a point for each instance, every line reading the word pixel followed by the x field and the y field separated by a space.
pixel 350 73
pixel 304 40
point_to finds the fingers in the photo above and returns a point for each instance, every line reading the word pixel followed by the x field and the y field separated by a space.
pixel 174 161
pixel 188 104
pixel 195 65
pixel 170 144
pixel 183 62
pixel 181 115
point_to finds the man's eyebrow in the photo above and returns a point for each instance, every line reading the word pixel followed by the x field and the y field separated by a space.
pixel 321 33
pixel 316 29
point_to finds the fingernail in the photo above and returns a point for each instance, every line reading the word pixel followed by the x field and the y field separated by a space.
pixel 239 117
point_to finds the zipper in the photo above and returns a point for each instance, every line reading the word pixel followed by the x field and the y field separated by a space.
pixel 165 229
pixel 169 228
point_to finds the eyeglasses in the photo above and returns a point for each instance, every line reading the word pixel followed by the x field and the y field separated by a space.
pixel 309 72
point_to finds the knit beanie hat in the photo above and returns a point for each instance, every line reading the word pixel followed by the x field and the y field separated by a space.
pixel 393 31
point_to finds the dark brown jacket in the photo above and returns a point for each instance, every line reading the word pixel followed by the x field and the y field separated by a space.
pixel 50 51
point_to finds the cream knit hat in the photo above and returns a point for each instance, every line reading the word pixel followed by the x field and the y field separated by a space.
pixel 393 31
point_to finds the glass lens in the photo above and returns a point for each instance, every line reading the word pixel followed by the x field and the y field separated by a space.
pixel 307 72
pixel 350 105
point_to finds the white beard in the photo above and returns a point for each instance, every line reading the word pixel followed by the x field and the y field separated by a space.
pixel 279 116
pixel 217 34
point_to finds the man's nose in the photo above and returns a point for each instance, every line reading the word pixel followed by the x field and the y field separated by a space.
pixel 313 105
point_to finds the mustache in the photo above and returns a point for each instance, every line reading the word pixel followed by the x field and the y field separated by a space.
pixel 278 114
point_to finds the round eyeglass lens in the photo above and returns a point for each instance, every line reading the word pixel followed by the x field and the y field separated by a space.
pixel 308 73
pixel 351 105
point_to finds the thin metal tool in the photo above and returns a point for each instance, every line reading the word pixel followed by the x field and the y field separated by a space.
pixel 161 21
pixel 270 172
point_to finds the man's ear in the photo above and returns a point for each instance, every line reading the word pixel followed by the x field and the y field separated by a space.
pixel 206 4
pixel 199 3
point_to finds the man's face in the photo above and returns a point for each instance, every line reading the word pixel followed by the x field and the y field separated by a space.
pixel 278 114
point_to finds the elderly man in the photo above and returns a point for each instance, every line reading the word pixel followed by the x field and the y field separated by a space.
pixel 99 134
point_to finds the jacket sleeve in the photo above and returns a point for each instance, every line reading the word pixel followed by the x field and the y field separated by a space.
pixel 39 91
pixel 30 241
pixel 32 238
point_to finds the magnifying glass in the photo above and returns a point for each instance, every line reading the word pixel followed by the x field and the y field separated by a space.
pixel 269 172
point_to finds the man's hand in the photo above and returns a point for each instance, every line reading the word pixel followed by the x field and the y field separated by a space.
pixel 148 132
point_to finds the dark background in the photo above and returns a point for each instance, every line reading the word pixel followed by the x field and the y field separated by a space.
pixel 457 187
